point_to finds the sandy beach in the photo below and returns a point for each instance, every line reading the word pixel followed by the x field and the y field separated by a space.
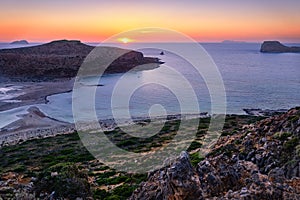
pixel 33 124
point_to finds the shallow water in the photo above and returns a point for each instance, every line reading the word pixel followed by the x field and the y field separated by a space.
pixel 8 92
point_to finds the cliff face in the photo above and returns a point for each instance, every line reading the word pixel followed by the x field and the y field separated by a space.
pixel 277 47
pixel 59 59
pixel 262 161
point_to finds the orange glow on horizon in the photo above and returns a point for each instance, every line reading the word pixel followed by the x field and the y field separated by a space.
pixel 95 22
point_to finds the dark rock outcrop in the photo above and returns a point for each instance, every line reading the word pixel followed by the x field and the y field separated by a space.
pixel 277 47
pixel 177 181
pixel 262 161
pixel 62 59
pixel 263 112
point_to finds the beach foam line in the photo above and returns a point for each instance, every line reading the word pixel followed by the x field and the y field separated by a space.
pixel 11 115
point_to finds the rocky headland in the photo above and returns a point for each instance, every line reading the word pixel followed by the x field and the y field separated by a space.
pixel 61 59
pixel 44 70
pixel 261 161
pixel 277 47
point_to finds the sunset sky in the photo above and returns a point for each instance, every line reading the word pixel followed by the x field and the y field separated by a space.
pixel 96 20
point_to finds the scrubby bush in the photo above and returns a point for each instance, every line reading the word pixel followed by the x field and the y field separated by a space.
pixel 194 145
pixel 64 180
pixel 195 158
pixel 291 144
pixel 282 136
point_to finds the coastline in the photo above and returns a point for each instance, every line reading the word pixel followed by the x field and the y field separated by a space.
pixel 36 125
pixel 35 92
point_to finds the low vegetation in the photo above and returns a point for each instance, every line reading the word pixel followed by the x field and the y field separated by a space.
pixel 62 167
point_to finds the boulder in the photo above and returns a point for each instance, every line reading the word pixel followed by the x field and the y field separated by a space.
pixel 177 181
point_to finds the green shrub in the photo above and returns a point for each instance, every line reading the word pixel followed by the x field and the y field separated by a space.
pixel 124 191
pixel 137 178
pixel 194 145
pixel 196 158
pixel 20 168
pixel 203 126
pixel 112 181
pixel 66 151
pixel 282 135
pixel 113 197
pixel 298 150
pixel 100 194
pixel 102 168
pixel 126 143
pixel 291 144
pixel 107 174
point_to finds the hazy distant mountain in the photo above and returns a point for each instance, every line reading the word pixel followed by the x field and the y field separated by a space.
pixel 232 41
pixel 20 42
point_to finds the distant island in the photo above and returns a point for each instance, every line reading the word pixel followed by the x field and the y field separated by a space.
pixel 62 59
pixel 20 42
pixel 277 47
pixel 232 41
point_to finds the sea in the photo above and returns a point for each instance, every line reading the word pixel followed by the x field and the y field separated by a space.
pixel 250 79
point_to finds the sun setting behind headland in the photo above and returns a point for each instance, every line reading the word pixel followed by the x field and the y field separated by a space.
pixel 125 40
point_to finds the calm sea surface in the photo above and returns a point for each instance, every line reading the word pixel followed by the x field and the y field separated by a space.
pixel 251 80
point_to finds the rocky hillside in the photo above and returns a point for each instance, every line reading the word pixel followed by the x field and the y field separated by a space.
pixel 259 162
pixel 60 59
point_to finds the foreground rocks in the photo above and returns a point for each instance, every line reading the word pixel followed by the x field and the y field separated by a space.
pixel 261 161
pixel 62 59
pixel 177 181
pixel 277 47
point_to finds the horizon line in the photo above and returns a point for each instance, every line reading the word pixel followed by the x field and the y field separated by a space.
pixel 203 41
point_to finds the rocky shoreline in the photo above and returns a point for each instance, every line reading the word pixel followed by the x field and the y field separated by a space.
pixel 263 112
